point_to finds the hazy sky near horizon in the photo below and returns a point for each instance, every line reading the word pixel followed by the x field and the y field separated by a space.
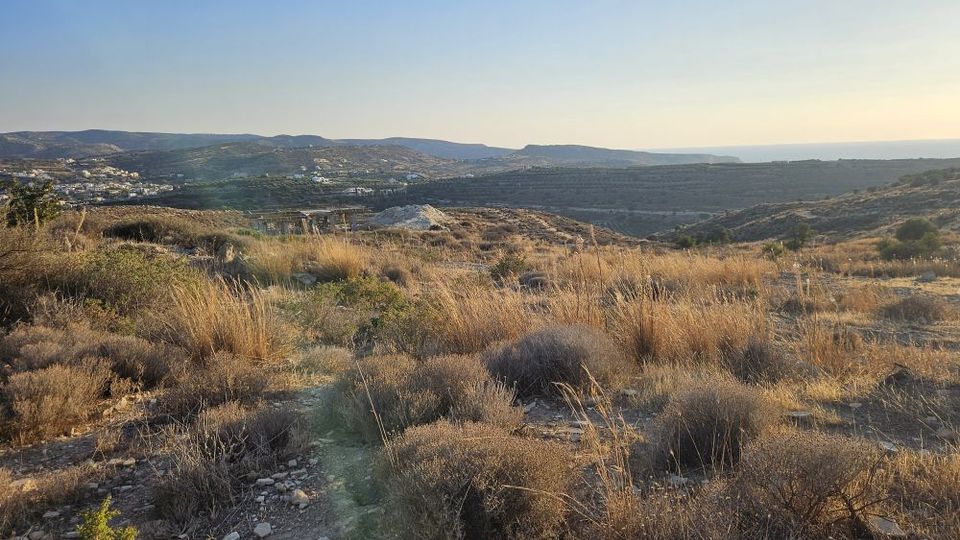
pixel 616 73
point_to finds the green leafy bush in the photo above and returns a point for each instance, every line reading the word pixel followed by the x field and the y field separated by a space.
pixel 31 204
pixel 95 524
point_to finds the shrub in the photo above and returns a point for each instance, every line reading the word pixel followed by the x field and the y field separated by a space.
pixel 24 262
pixel 808 484
pixel 709 424
pixel 473 481
pixel 35 347
pixel 95 524
pixel 799 236
pixel 773 250
pixel 915 229
pixel 918 309
pixel 31 205
pixel 127 278
pixel 560 354
pixel 397 274
pixel 393 393
pixel 211 459
pixel 508 265
pixel 760 362
pixel 52 400
pixel 221 378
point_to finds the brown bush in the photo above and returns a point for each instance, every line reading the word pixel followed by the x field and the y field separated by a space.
pixel 211 459
pixel 24 261
pixel 661 515
pixel 397 274
pixel 560 354
pixel 34 347
pixel 222 378
pixel 808 485
pixel 925 489
pixel 52 400
pixel 918 309
pixel 473 481
pixel 396 392
pixel 709 424
pixel 761 362
pixel 337 260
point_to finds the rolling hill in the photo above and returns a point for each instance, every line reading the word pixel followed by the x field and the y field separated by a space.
pixel 644 200
pixel 868 212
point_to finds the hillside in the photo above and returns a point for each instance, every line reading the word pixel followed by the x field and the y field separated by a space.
pixel 97 142
pixel 849 215
pixel 644 200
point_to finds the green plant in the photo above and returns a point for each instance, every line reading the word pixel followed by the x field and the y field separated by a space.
pixel 508 265
pixel 799 236
pixel 31 204
pixel 915 229
pixel 95 524
pixel 774 250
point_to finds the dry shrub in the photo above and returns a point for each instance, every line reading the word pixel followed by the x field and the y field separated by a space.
pixel 709 424
pixel 926 490
pixel 221 378
pixel 761 362
pixel 21 506
pixel 687 331
pixel 460 318
pixel 211 460
pixel 24 261
pixel 52 400
pixel 473 481
pixel 213 316
pixel 660 515
pixel 918 309
pixel 382 396
pixel 34 347
pixel 863 298
pixel 397 274
pixel 809 484
pixel 559 354
pixel 325 360
pixel 833 348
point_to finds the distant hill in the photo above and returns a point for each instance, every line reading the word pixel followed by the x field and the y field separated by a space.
pixel 438 148
pixel 868 212
pixel 98 142
pixel 644 200
pixel 568 154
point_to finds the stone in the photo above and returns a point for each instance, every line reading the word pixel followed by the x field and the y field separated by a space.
pixel 884 528
pixel 299 497
pixel 70 534
pixel 266 481
pixel 888 447
pixel 292 464
pixel 313 461
pixel 36 535
pixel 279 476
pixel 801 418
pixel 927 277
pixel 51 514
pixel 262 530
pixel 305 279
pixel 232 536
pixel 92 485
pixel 948 434
pixel 260 499
pixel 677 481
pixel 856 405
pixel 529 406
pixel 281 487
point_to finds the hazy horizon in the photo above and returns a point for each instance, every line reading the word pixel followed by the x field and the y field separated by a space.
pixel 611 73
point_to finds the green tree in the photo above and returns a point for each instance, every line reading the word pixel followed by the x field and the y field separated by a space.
pixel 915 229
pixel 31 204
pixel 799 236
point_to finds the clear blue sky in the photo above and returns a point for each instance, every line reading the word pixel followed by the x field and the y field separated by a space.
pixel 619 73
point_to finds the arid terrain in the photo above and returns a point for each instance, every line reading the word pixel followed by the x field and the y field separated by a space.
pixel 509 374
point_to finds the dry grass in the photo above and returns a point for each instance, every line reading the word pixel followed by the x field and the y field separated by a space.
pixel 686 332
pixel 473 481
pixel 925 490
pixel 381 396
pixel 221 378
pixel 919 310
pixel 215 316
pixel 559 354
pixel 53 400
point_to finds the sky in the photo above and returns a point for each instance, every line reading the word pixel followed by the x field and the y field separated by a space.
pixel 614 73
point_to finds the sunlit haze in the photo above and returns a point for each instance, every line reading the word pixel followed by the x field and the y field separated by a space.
pixel 625 74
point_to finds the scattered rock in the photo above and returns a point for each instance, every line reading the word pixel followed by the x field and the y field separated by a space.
pixel 281 487
pixel 36 535
pixel 232 536
pixel 279 476
pixel 260 498
pixel 927 277
pixel 676 481
pixel 262 530
pixel 889 447
pixel 292 464
pixel 313 461
pixel 884 528
pixel 266 481
pixel 51 514
pixel 299 498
